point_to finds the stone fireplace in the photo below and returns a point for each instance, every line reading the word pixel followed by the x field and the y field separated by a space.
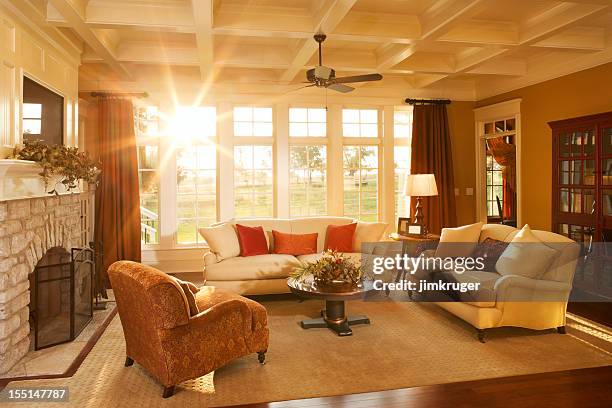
pixel 29 227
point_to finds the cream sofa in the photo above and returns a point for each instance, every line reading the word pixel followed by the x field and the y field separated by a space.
pixel 515 300
pixel 267 274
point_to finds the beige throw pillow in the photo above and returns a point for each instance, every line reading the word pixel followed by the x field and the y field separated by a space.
pixel 367 232
pixel 458 242
pixel 222 240
pixel 526 256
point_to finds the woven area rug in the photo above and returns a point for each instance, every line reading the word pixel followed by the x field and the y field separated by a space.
pixel 406 345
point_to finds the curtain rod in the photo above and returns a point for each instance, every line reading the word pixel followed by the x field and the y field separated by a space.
pixel 135 94
pixel 410 101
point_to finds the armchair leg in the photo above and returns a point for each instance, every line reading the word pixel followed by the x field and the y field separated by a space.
pixel 168 391
pixel 128 361
pixel 261 357
pixel 561 329
pixel 481 335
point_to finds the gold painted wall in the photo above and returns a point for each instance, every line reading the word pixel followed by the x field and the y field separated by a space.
pixel 461 121
pixel 583 93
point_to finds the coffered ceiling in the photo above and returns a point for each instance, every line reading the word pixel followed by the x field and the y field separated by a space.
pixel 467 49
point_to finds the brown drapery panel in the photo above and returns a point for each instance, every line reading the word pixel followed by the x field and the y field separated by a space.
pixel 117 196
pixel 432 153
pixel 505 155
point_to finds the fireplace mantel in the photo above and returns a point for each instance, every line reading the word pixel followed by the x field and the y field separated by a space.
pixel 20 179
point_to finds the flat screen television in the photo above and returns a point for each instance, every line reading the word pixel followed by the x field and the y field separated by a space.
pixel 43 114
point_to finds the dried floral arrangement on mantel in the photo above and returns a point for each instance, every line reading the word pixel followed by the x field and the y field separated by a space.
pixel 59 164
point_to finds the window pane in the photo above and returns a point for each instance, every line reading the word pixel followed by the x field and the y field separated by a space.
pixel 249 121
pixel 31 126
pixel 401 159
pixel 298 115
pixel 194 122
pixel 32 110
pixel 148 178
pixel 307 122
pixel 360 122
pixel 196 203
pixel 361 182
pixel 308 181
pixel 253 181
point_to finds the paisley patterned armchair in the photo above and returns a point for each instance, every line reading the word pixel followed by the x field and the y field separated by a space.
pixel 172 345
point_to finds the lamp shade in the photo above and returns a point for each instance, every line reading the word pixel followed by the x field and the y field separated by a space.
pixel 420 185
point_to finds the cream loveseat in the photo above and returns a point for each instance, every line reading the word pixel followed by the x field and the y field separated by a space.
pixel 267 274
pixel 537 302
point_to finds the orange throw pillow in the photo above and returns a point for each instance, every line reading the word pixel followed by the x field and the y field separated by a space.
pixel 295 244
pixel 340 237
pixel 252 240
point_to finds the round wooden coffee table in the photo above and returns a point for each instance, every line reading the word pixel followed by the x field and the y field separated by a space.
pixel 334 315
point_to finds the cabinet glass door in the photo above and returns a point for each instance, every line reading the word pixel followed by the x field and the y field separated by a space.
pixel 577 171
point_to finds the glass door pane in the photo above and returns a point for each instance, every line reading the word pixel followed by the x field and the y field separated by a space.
pixel 606 141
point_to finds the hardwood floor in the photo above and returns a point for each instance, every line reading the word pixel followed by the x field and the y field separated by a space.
pixel 589 387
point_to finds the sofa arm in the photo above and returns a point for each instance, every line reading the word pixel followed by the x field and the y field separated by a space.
pixel 210 259
pixel 515 288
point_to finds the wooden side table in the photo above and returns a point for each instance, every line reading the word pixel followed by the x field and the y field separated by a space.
pixel 410 245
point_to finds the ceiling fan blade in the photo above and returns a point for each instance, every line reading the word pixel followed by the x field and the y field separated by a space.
pixel 297 89
pixel 341 88
pixel 358 78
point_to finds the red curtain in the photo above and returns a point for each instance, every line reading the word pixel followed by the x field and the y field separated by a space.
pixel 505 155
pixel 432 154
pixel 117 197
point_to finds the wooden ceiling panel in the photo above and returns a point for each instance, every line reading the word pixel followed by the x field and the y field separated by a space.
pixel 422 44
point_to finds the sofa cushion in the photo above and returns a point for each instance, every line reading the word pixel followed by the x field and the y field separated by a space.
pixel 268 224
pixel 294 244
pixel 253 267
pixel 490 250
pixel 353 256
pixel 460 241
pixel 222 240
pixel 318 225
pixel 252 240
pixel 525 256
pixel 368 232
pixel 340 237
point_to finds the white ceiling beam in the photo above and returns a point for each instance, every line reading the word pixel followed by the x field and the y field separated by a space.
pixel 203 19
pixel 326 20
pixel 99 41
pixel 534 29
pixel 556 19
pixel 576 38
pixel 501 66
pixel 441 17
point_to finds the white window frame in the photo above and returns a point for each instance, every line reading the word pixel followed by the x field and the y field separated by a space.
pixel 365 141
pixel 310 141
pixel 398 142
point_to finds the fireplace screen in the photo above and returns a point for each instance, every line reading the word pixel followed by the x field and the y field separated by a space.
pixel 62 294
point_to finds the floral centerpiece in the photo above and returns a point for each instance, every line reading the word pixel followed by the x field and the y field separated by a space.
pixel 332 268
pixel 65 165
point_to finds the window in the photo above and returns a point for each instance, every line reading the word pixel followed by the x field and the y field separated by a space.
pixel 196 195
pixel 308 181
pixel 253 181
pixel 148 178
pixel 361 182
pixel 32 118
pixel 250 121
pixel 146 126
pixel 307 122
pixel 194 123
pixel 402 133
pixel 360 122
pixel 495 187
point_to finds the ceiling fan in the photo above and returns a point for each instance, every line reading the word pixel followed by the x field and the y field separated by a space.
pixel 325 77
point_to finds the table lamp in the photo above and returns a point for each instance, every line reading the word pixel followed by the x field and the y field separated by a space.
pixel 420 185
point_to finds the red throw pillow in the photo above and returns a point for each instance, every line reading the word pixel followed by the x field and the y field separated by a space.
pixel 340 237
pixel 252 240
pixel 295 244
